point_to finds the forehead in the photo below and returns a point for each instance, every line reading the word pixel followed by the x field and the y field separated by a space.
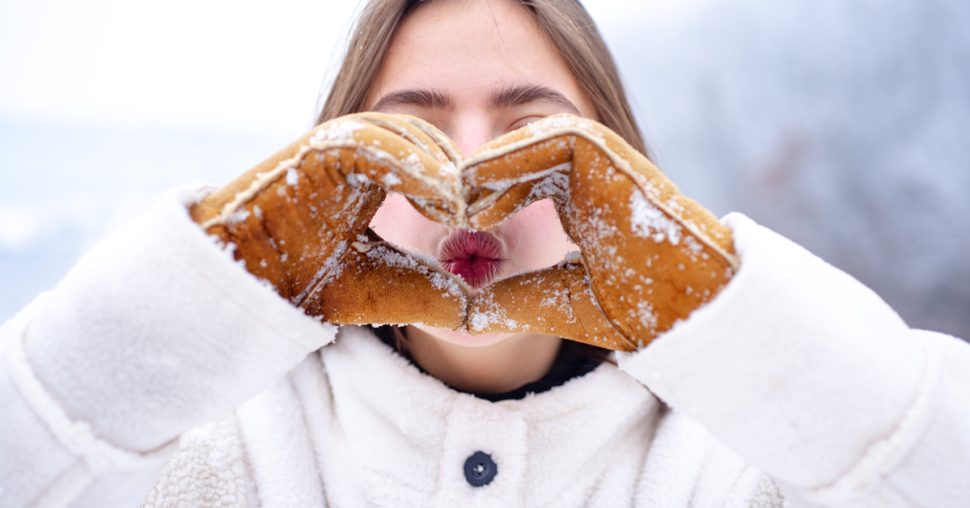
pixel 469 48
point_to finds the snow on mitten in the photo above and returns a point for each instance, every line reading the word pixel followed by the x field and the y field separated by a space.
pixel 299 221
pixel 649 256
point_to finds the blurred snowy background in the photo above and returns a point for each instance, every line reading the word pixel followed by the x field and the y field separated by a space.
pixel 844 125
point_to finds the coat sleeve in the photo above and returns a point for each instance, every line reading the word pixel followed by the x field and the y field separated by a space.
pixel 811 377
pixel 155 331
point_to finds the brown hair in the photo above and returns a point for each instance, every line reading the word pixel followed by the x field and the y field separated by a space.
pixel 568 26
pixel 565 22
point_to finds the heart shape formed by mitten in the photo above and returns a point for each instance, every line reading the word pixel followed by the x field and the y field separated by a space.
pixel 649 255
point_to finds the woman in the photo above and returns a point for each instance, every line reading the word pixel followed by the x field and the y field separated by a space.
pixel 790 382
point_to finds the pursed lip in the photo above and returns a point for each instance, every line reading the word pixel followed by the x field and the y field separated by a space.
pixel 475 256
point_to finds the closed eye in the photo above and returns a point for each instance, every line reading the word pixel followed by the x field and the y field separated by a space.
pixel 522 122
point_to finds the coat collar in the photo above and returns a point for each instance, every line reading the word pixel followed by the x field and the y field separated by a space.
pixel 382 428
pixel 378 373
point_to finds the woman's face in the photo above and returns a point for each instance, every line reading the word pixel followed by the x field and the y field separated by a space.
pixel 475 69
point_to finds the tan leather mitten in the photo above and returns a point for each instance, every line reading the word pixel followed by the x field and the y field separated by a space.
pixel 649 256
pixel 299 221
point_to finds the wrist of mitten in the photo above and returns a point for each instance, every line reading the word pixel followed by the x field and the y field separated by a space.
pixel 157 330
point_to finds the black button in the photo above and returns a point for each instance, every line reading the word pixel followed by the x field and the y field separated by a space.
pixel 480 469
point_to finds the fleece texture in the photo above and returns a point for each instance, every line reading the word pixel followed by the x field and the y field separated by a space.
pixel 159 372
pixel 810 375
pixel 155 331
pixel 358 425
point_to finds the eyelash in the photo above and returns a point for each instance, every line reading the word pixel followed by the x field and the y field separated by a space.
pixel 531 118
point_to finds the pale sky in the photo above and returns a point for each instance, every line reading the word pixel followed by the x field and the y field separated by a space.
pixel 238 65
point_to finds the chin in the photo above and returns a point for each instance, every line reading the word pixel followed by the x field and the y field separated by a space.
pixel 464 338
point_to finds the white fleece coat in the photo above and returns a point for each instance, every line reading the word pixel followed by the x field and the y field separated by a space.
pixel 159 372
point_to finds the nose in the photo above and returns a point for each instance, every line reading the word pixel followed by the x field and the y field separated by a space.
pixel 470 132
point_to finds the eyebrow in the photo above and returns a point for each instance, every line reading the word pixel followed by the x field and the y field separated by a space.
pixel 524 94
pixel 422 97
pixel 503 98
